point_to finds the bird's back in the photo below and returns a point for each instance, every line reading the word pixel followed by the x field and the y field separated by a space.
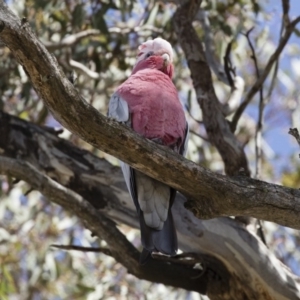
pixel 155 109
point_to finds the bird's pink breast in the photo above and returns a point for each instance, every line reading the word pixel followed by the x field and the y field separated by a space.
pixel 156 111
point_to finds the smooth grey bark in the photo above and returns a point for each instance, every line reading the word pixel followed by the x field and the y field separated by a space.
pixel 234 261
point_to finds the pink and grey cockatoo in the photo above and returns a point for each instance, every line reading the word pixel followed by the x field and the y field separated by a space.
pixel 148 102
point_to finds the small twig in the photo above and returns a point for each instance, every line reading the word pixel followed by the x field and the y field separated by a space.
pixel 54 130
pixel 83 249
pixel 285 10
pixel 83 69
pixel 259 124
pixel 253 56
pixel 209 47
pixel 199 135
pixel 189 112
pixel 188 259
pixel 260 81
pixel 295 133
pixel 196 120
pixel 71 40
pixel 235 97
pixel 28 191
pixel 228 65
pixel 284 22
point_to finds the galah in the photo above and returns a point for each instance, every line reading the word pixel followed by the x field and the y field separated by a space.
pixel 148 102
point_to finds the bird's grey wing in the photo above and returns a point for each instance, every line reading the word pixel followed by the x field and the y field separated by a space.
pixel 153 198
pixel 150 196
pixel 130 180
pixel 118 109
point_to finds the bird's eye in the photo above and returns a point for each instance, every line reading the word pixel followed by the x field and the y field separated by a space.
pixel 150 53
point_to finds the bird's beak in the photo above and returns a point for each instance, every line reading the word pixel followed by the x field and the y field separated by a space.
pixel 166 58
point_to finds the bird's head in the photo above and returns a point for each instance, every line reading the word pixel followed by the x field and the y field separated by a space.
pixel 155 54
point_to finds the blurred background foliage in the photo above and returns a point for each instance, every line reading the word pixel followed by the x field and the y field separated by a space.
pixel 98 40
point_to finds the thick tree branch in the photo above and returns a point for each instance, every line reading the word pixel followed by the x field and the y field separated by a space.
pixel 213 194
pixel 285 10
pixel 232 245
pixel 103 227
pixel 235 261
pixel 171 274
pixel 261 106
pixel 216 125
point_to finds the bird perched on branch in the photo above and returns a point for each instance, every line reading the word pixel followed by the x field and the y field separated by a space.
pixel 148 102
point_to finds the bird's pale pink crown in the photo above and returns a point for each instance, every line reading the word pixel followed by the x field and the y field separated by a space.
pixel 155 54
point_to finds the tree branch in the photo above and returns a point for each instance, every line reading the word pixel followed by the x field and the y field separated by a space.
pixel 104 250
pixel 73 39
pixel 259 123
pixel 103 227
pixel 260 81
pixel 210 49
pixel 235 97
pixel 83 69
pixel 217 195
pixel 216 125
pixel 120 248
pixel 228 65
pixel 295 133
pixel 235 260
pixel 285 10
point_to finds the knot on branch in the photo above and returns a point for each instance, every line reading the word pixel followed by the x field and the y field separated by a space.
pixel 202 207
pixel 190 205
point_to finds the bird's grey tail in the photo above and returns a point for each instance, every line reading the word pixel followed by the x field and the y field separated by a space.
pixel 164 240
